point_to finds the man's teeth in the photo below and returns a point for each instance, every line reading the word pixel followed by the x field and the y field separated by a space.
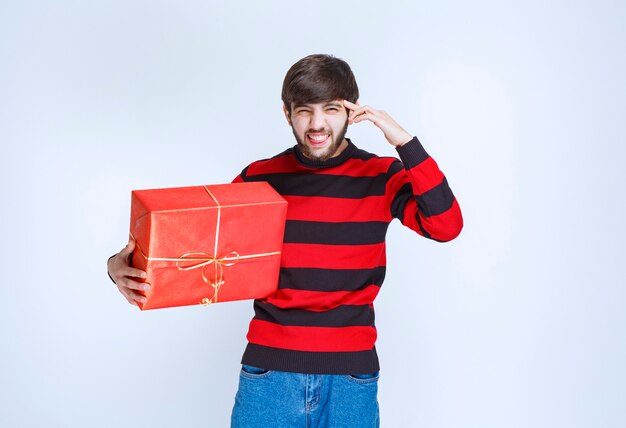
pixel 319 138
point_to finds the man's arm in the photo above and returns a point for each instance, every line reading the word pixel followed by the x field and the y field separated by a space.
pixel 124 275
pixel 419 196
pixel 417 191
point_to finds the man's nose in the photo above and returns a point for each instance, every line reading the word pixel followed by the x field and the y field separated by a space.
pixel 318 121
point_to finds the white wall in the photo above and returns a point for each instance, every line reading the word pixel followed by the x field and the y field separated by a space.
pixel 520 322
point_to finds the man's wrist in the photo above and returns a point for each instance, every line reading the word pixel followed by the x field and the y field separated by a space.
pixel 398 140
pixel 403 139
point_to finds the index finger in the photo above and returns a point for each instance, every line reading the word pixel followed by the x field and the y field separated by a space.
pixel 350 105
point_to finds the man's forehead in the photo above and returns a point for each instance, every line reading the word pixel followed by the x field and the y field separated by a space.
pixel 337 102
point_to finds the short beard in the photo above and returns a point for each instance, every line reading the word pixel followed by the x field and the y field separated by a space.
pixel 332 149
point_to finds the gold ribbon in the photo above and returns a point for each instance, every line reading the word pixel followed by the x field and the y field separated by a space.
pixel 202 260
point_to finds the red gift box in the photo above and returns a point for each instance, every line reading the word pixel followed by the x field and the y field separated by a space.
pixel 208 244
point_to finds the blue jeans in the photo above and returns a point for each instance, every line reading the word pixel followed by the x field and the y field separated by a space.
pixel 273 399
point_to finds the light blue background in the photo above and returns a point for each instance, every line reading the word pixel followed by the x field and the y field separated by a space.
pixel 518 323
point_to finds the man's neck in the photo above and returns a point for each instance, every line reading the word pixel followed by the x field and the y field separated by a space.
pixel 341 148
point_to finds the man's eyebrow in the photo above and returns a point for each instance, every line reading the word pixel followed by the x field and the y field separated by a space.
pixel 327 104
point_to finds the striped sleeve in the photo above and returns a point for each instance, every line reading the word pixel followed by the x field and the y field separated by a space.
pixel 419 196
pixel 241 177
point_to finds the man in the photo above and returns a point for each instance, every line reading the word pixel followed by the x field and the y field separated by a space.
pixel 311 359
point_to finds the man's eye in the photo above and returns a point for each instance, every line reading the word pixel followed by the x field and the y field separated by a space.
pixel 333 109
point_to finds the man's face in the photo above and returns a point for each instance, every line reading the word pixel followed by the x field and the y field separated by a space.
pixel 319 128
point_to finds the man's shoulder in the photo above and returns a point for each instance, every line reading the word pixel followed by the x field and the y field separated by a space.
pixel 277 163
pixel 364 155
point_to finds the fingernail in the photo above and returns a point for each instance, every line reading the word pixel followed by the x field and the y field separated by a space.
pixel 147 287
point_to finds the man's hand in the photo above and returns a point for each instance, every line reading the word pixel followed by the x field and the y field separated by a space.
pixel 122 274
pixel 393 132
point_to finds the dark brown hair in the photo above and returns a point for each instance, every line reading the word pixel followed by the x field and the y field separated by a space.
pixel 319 78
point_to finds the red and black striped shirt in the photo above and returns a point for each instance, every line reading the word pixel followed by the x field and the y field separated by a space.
pixel 321 319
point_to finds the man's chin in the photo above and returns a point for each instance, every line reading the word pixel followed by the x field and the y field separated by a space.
pixel 318 155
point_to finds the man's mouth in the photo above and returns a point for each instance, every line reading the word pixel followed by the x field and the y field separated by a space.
pixel 317 138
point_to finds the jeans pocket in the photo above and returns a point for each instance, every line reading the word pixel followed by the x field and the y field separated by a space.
pixel 253 372
pixel 364 378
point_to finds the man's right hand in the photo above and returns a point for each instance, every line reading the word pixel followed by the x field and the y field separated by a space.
pixel 125 276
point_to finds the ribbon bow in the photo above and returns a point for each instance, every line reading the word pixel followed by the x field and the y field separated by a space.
pixel 202 261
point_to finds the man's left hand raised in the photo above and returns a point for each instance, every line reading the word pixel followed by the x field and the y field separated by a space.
pixel 393 132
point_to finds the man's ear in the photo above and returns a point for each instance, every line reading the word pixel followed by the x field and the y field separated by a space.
pixel 287 115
